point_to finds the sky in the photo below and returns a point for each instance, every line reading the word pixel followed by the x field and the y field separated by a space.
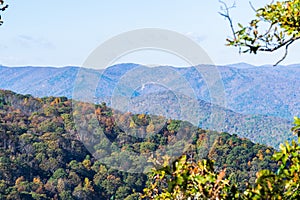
pixel 64 33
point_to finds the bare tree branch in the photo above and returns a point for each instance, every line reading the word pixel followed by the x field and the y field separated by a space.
pixel 285 54
pixel 3 7
pixel 287 42
pixel 251 5
pixel 226 14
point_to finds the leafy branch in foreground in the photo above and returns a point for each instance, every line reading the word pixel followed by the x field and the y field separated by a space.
pixel 296 128
pixel 189 180
pixel 285 183
pixel 276 26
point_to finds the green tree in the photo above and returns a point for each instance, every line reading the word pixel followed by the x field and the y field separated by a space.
pixel 276 26
pixel 285 183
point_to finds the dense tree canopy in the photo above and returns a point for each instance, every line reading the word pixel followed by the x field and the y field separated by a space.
pixel 276 26
pixel 42 155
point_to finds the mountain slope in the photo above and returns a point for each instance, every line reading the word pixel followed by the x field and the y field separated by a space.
pixel 44 154
pixel 261 101
pixel 261 90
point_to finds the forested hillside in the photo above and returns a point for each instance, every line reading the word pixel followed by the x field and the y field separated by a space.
pixel 260 101
pixel 44 154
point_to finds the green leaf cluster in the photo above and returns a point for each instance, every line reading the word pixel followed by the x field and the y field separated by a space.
pixel 276 25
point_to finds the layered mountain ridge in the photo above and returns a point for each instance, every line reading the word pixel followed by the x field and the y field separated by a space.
pixel 259 101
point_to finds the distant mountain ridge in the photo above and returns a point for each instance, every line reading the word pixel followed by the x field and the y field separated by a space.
pixel 39 81
pixel 262 90
pixel 265 97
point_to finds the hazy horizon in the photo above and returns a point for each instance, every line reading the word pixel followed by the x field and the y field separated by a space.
pixel 66 38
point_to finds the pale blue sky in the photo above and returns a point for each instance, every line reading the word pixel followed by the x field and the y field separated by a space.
pixel 61 33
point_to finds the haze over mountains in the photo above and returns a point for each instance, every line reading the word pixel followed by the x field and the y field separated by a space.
pixel 259 100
